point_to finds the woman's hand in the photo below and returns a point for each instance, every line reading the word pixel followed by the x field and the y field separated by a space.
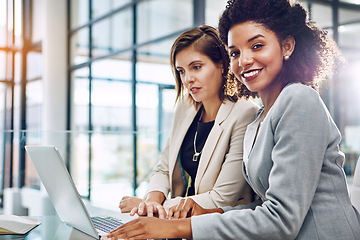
pixel 152 228
pixel 128 203
pixel 149 208
pixel 187 208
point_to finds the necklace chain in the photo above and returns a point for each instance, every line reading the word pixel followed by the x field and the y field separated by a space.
pixel 197 154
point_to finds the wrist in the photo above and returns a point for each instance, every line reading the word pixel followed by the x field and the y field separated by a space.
pixel 155 196
pixel 181 228
pixel 216 210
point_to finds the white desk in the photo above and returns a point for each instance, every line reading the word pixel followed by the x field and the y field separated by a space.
pixel 51 228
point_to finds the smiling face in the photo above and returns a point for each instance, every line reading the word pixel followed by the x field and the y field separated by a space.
pixel 256 57
pixel 199 75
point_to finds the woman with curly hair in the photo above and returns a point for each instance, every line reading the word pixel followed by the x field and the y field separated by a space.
pixel 204 150
pixel 291 150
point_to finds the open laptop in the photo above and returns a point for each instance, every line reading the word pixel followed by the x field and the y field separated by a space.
pixel 64 195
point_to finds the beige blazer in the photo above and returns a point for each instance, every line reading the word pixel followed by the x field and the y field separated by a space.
pixel 218 180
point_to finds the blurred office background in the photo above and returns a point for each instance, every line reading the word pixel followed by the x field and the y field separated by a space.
pixel 92 77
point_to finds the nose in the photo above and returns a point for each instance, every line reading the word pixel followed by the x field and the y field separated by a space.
pixel 246 60
pixel 188 78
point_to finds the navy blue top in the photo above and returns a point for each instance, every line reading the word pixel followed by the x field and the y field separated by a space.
pixel 187 148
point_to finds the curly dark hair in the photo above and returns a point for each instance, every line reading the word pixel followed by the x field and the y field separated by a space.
pixel 206 40
pixel 314 54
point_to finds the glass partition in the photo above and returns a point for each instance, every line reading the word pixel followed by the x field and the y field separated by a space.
pixel 102 7
pixel 34 67
pixel 3 24
pixel 34 100
pixel 351 1
pixel 111 161
pixel 213 10
pixel 158 18
pixel 37 21
pixel 79 46
pixel 79 14
pixel 112 34
pixel 3 63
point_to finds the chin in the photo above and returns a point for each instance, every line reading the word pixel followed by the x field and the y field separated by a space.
pixel 195 99
pixel 251 87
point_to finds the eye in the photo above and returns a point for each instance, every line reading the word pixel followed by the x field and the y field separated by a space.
pixel 258 46
pixel 180 71
pixel 234 54
pixel 197 67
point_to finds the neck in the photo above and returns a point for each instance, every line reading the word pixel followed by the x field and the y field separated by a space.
pixel 269 96
pixel 210 110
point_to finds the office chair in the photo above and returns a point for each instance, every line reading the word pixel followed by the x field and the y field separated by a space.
pixel 355 189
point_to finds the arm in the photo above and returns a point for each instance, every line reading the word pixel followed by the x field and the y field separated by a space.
pixel 251 205
pixel 187 208
pixel 300 139
pixel 152 228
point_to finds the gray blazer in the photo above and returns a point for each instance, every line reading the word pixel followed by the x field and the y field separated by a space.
pixel 217 182
pixel 295 166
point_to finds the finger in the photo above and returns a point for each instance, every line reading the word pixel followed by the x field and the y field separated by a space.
pixel 123 228
pixel 178 209
pixel 161 211
pixel 193 211
pixel 198 210
pixel 171 212
pixel 141 209
pixel 121 202
pixel 129 230
pixel 185 209
pixel 150 210
pixel 133 211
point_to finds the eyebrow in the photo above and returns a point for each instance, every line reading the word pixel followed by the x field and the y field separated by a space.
pixel 255 37
pixel 250 39
pixel 193 62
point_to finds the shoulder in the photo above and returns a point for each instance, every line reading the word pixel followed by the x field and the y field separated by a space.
pixel 242 111
pixel 299 100
pixel 183 105
pixel 243 105
pixel 298 92
pixel 183 110
pixel 298 96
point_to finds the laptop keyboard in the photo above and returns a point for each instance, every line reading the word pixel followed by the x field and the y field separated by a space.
pixel 106 224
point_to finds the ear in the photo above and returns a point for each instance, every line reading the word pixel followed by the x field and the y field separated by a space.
pixel 288 46
pixel 222 68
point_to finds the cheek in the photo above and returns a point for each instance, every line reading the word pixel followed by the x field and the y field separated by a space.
pixel 273 59
pixel 276 67
pixel 234 63
pixel 234 67
pixel 217 79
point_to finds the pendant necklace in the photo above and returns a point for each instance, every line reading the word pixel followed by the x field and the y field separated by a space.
pixel 197 154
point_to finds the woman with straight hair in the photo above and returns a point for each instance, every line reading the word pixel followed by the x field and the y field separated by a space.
pixel 204 151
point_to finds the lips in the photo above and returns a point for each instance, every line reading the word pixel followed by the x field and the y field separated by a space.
pixel 194 90
pixel 251 75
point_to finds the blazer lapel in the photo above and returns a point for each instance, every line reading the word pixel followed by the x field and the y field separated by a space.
pixel 249 140
pixel 180 129
pixel 212 140
pixel 249 137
